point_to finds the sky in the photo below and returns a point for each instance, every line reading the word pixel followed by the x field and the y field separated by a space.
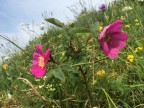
pixel 15 14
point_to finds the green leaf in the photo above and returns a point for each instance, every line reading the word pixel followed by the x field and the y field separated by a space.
pixel 55 22
pixel 95 26
pixel 66 67
pixel 109 99
pixel 49 75
pixel 72 25
pixel 59 74
pixel 80 30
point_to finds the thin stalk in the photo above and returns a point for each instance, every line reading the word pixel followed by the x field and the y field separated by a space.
pixel 86 85
pixel 87 63
pixel 14 44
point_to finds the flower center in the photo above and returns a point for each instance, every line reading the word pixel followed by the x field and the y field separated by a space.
pixel 108 38
pixel 41 62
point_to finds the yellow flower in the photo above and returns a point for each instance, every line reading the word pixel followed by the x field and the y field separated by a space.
pixel 63 53
pixel 140 48
pixel 136 50
pixel 130 58
pixel 127 26
pixel 5 66
pixel 100 28
pixel 137 24
pixel 122 18
pixel 100 72
pixel 136 20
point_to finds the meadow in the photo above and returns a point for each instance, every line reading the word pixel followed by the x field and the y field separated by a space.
pixel 96 61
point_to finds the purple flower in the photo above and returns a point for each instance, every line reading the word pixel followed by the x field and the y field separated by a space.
pixel 102 7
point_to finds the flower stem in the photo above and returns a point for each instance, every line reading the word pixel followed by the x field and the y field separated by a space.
pixel 7 39
pixel 52 60
pixel 86 85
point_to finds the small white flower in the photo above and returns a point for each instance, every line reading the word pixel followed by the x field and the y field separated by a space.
pixel 127 8
pixel 52 89
pixel 7 58
pixel 41 86
pixel 9 96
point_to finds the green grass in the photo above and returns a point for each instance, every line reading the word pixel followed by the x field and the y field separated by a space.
pixel 122 85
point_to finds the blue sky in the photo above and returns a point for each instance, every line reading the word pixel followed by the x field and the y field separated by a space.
pixel 13 13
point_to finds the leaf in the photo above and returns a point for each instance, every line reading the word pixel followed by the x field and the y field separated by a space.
pixel 72 25
pixel 66 67
pixel 49 75
pixel 55 22
pixel 80 30
pixel 95 26
pixel 59 74
pixel 109 99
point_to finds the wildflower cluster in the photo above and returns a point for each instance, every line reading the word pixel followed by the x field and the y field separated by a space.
pixel 111 40
pixel 127 26
pixel 130 57
pixel 138 49
pixel 137 22
pixel 100 72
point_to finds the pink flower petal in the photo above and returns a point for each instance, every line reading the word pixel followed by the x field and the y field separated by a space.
pixel 115 26
pixel 120 35
pixel 38 71
pixel 115 43
pixel 36 56
pixel 105 47
pixel 35 62
pixel 39 49
pixel 47 55
pixel 102 34
pixel 122 44
pixel 113 53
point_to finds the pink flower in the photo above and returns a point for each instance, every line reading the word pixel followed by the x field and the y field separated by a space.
pixel 40 60
pixel 112 39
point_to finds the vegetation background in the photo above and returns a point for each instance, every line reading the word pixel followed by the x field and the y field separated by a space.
pixel 80 75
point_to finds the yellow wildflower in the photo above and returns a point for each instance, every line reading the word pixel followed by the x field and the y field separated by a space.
pixel 100 28
pixel 137 24
pixel 122 18
pixel 63 53
pixel 140 48
pixel 136 50
pixel 130 58
pixel 136 20
pixel 100 72
pixel 5 66
pixel 127 26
